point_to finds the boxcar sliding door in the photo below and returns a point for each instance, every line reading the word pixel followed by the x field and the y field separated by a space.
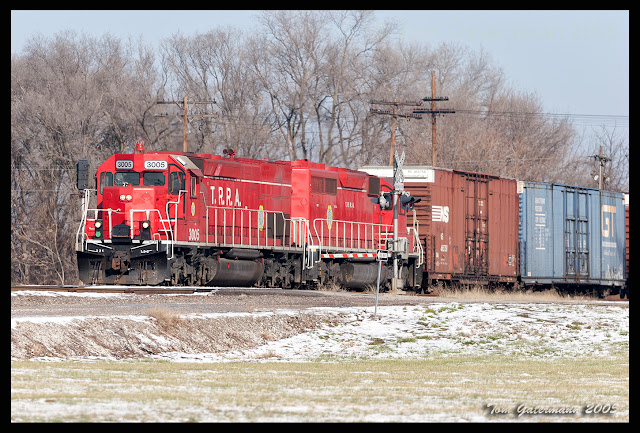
pixel 576 234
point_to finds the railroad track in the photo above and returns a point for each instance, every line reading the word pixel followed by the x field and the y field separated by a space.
pixel 154 290
pixel 148 290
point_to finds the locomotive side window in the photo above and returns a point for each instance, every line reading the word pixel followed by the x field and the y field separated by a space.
pixel 153 178
pixel 331 186
pixel 176 182
pixel 106 179
pixel 193 187
pixel 128 177
pixel 374 185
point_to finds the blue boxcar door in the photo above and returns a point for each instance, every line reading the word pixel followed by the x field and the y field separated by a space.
pixel 582 235
pixel 576 234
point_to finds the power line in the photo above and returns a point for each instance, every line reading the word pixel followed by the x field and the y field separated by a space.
pixel 395 114
pixel 185 115
pixel 433 113
pixel 584 119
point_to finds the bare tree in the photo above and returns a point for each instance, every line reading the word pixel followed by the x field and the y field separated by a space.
pixel 494 129
pixel 213 66
pixel 288 59
pixel 614 146
pixel 71 97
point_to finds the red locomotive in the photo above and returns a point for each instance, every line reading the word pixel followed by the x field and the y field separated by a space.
pixel 196 219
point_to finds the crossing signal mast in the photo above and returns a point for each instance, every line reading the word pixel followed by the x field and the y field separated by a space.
pixel 389 201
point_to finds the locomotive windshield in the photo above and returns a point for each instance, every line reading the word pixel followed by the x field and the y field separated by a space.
pixel 128 177
pixel 153 178
pixel 132 178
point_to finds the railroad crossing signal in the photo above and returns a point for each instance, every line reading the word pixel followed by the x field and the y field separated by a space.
pixel 384 201
pixel 407 201
pixel 398 176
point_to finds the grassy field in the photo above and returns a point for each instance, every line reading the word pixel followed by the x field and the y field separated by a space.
pixel 435 389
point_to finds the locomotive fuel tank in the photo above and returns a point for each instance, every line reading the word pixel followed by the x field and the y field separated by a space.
pixel 361 275
pixel 233 272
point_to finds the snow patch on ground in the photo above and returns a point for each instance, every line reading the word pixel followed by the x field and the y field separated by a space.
pixel 531 330
pixel 544 330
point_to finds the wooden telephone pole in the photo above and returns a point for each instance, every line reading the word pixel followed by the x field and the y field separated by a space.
pixel 602 160
pixel 185 115
pixel 433 113
pixel 393 111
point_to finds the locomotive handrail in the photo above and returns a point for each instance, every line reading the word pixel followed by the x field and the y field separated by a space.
pixel 299 232
pixel 417 246
pixel 83 221
pixel 175 222
pixel 164 227
pixel 348 242
pixel 346 233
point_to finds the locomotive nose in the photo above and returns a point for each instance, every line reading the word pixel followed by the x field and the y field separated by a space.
pixel 133 209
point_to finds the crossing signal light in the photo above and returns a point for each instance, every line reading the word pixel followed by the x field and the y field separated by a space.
pixel 384 200
pixel 407 201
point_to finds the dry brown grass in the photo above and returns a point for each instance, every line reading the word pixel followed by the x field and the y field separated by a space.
pixel 493 294
pixel 165 318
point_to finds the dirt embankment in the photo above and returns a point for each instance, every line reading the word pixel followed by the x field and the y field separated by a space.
pixel 120 326
pixel 162 331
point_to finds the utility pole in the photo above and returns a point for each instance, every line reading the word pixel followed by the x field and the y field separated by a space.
pixel 603 160
pixel 433 113
pixel 185 115
pixel 394 113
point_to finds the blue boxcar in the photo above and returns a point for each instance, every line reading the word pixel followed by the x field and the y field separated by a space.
pixel 571 235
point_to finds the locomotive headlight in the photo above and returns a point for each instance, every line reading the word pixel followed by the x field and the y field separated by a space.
pixel 145 233
pixel 122 197
pixel 129 197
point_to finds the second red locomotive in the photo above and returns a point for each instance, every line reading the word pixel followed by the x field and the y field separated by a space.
pixel 197 219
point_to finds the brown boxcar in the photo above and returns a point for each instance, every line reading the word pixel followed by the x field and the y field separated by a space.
pixel 468 224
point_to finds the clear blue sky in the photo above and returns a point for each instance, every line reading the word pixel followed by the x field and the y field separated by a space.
pixel 577 62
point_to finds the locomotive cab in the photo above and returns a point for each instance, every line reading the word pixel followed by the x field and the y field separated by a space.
pixel 132 201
